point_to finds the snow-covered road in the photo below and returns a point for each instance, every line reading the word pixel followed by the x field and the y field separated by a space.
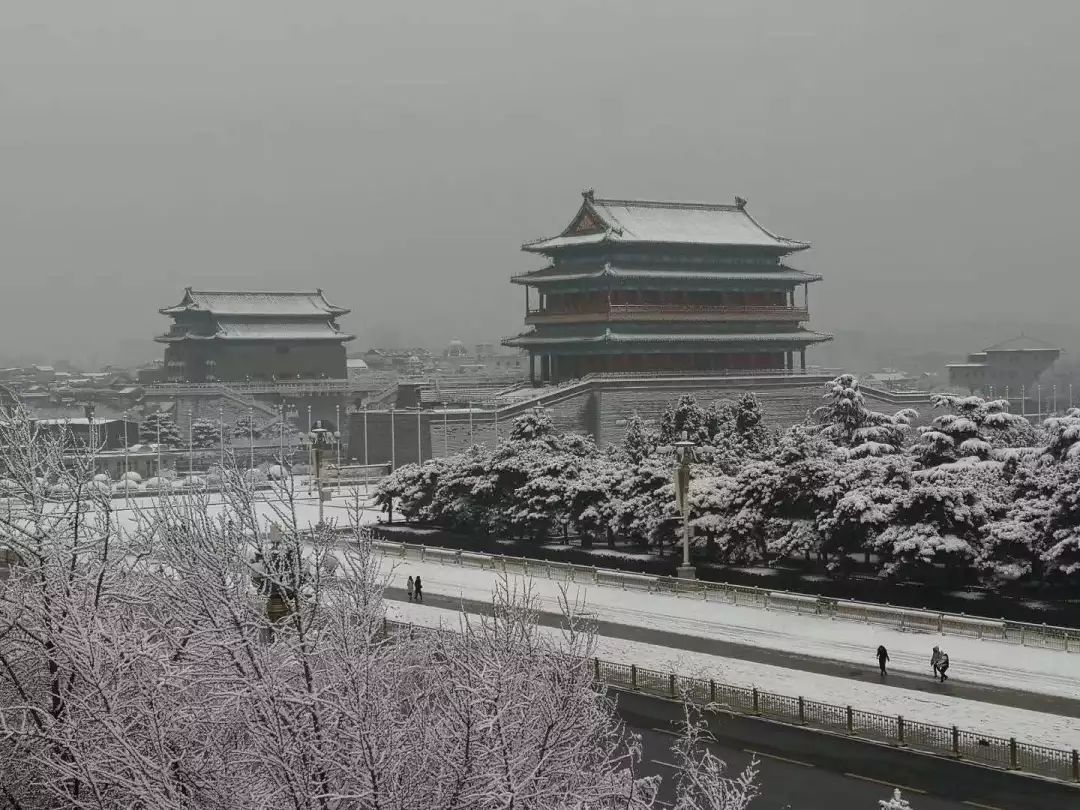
pixel 987 662
pixel 993 663
pixel 999 721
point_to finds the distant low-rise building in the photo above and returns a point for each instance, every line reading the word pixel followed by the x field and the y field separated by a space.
pixel 1005 367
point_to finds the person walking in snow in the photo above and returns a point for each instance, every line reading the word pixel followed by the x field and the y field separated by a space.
pixel 943 664
pixel 409 588
pixel 419 589
pixel 882 657
pixel 935 659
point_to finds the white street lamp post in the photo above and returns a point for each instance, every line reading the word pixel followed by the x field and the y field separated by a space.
pixel 337 445
pixel 319 440
pixel 221 440
pixel 127 459
pixel 393 446
pixel 684 455
pixel 191 442
pixel 367 481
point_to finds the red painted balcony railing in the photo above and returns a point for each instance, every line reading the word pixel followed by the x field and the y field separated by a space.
pixel 672 312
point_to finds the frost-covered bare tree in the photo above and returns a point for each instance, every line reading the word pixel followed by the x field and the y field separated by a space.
pixel 169 656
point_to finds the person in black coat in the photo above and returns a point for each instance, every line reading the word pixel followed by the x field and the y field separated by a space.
pixel 943 665
pixel 882 657
pixel 418 588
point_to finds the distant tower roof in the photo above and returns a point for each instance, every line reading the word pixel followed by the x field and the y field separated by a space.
pixel 1022 343
pixel 251 303
pixel 649 221
pixel 250 315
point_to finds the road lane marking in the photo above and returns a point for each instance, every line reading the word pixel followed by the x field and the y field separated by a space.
pixel 667 731
pixel 779 758
pixel 887 784
pixel 980 806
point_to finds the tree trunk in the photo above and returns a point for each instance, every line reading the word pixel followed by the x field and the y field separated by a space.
pixel 610 538
pixel 586 540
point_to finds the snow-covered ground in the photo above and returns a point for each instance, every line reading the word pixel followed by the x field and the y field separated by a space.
pixel 986 662
pixel 268 506
pixel 998 721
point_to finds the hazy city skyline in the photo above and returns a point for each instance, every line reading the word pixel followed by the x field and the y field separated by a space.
pixel 397 155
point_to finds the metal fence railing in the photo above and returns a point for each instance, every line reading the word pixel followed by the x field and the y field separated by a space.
pixel 1065 639
pixel 949 741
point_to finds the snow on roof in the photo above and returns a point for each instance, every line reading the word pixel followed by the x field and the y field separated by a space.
pixel 801 336
pixel 249 303
pixel 249 330
pixel 242 329
pixel 643 221
pixel 1022 343
pixel 355 363
pixel 552 274
pixel 75 421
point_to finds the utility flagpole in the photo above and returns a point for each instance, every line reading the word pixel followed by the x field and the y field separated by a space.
pixel 221 438
pixel 191 441
pixel 127 457
pixel 367 479
pixel 337 428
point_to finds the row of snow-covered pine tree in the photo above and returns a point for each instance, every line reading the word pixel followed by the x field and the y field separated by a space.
pixel 979 490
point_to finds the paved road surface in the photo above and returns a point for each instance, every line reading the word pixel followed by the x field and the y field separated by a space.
pixel 785 783
pixel 806 770
pixel 955 687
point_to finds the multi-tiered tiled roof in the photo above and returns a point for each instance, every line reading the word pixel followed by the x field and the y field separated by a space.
pixel 648 285
pixel 248 315
pixel 629 222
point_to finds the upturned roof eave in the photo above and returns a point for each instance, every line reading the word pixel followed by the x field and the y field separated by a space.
pixel 342 337
pixel 788 274
pixel 187 304
pixel 559 244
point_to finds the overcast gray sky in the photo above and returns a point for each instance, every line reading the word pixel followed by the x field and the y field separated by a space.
pixel 397 153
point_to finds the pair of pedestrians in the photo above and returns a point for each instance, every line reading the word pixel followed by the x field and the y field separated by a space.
pixel 939 662
pixel 415 588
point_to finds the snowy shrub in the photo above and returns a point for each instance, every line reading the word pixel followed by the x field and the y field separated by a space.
pixel 973 429
pixel 159 427
pixel 851 426
pixel 208 433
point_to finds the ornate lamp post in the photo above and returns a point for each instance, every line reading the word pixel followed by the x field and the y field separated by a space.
pixel 684 456
pixel 321 439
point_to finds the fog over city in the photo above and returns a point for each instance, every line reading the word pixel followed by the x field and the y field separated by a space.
pixel 397 154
